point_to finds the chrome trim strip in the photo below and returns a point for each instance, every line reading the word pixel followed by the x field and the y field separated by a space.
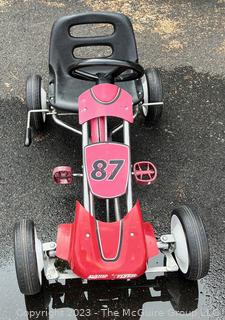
pixel 126 135
pixel 85 182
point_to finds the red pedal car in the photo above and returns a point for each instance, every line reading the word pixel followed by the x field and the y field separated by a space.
pixel 103 92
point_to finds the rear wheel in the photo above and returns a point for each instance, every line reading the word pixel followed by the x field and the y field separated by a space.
pixel 36 100
pixel 153 92
pixel 28 257
pixel 192 250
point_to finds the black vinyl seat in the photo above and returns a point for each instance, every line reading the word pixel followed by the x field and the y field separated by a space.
pixel 64 89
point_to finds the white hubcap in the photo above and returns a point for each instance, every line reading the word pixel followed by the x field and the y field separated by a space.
pixel 181 250
pixel 39 256
pixel 43 102
pixel 145 91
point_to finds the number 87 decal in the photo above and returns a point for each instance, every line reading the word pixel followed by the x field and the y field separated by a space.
pixel 100 167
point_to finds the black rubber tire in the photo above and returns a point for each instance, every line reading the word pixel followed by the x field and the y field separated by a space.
pixel 25 257
pixel 33 98
pixel 197 243
pixel 155 94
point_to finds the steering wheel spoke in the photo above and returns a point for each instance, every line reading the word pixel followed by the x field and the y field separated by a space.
pixel 116 72
pixel 84 75
pixel 115 75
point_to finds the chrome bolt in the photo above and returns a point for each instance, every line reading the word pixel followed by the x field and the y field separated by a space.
pixel 132 234
pixel 87 235
pixel 164 238
pixel 51 254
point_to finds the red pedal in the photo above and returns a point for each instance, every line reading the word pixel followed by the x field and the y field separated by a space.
pixel 62 175
pixel 145 172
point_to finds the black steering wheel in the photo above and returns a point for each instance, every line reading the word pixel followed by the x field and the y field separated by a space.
pixel 115 75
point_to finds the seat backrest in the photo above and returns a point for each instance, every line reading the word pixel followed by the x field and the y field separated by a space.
pixel 63 44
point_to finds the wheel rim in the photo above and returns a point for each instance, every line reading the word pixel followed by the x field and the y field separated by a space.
pixel 39 256
pixel 43 102
pixel 145 110
pixel 181 250
pixel 145 91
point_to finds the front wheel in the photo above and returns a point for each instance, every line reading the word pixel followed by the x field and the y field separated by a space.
pixel 28 257
pixel 191 244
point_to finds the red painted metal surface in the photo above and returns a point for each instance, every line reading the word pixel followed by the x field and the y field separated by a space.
pixel 107 168
pixel 105 93
pixel 105 100
pixel 109 236
pixel 150 240
pixel 78 243
pixel 98 133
